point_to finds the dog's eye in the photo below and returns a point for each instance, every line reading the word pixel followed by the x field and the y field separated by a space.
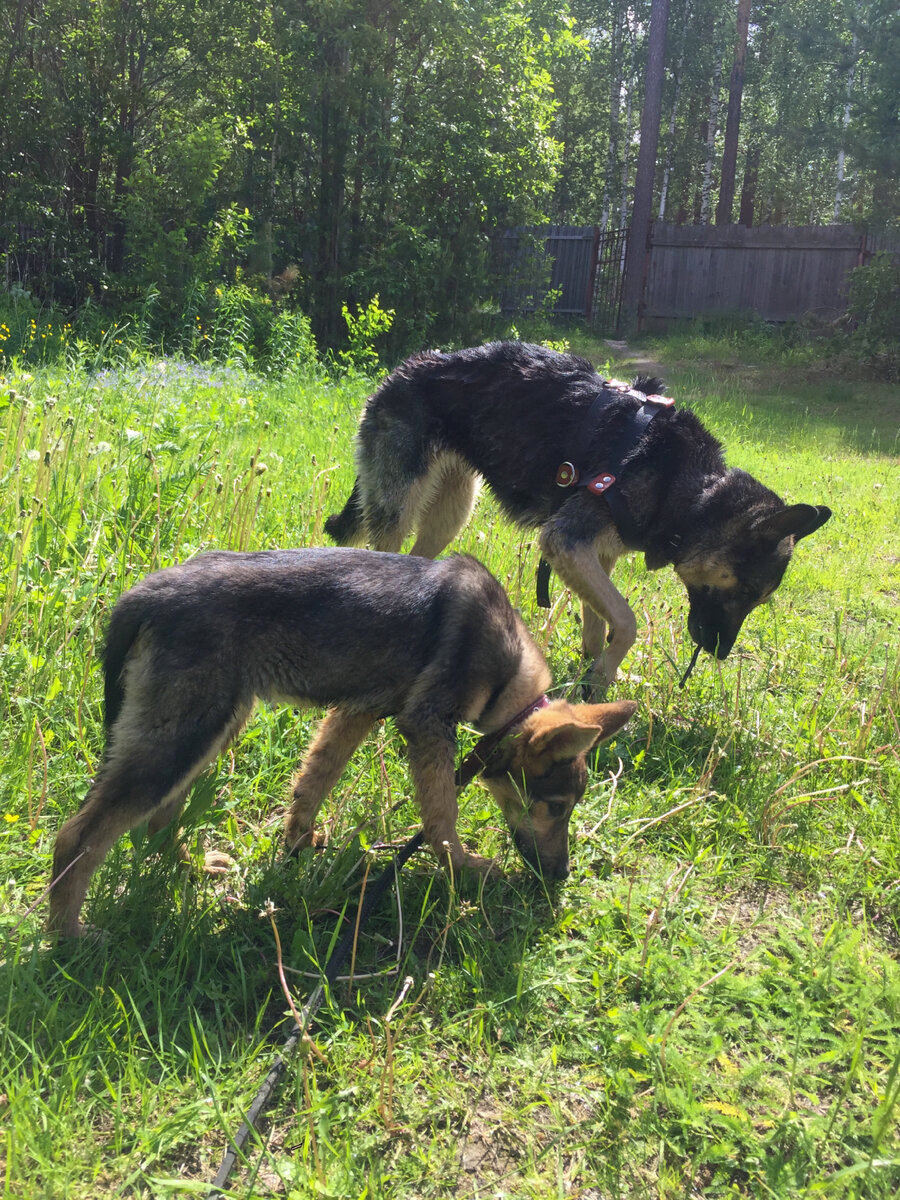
pixel 556 809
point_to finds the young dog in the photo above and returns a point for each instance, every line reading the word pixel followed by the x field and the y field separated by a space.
pixel 601 468
pixel 431 644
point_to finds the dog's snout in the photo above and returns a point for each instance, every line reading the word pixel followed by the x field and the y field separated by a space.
pixel 712 630
pixel 550 866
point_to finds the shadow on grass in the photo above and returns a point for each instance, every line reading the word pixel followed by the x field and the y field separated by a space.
pixel 178 948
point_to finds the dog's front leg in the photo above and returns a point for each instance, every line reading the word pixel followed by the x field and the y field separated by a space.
pixel 580 568
pixel 431 763
pixel 593 634
pixel 336 738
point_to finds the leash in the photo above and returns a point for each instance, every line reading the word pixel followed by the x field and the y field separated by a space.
pixel 298 1032
pixel 479 757
pixel 569 475
pixel 473 764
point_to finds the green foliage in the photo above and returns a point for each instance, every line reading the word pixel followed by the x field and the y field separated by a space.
pixel 370 322
pixel 874 303
pixel 379 150
pixel 231 323
pixel 29 333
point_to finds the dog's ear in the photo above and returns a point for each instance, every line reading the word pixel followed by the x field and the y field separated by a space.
pixel 796 520
pixel 566 733
pixel 608 718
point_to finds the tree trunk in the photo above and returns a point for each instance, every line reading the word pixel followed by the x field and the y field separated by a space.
pixel 643 185
pixel 748 188
pixel 332 182
pixel 670 142
pixel 615 100
pixel 733 122
pixel 712 126
pixel 630 75
pixel 838 191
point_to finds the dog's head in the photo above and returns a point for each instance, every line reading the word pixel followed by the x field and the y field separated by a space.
pixel 734 556
pixel 539 773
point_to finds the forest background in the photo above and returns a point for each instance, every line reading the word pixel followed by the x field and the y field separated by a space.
pixel 188 164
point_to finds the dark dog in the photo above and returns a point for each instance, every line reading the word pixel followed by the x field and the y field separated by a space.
pixel 536 424
pixel 371 635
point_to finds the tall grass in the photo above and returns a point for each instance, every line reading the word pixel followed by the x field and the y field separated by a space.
pixel 708 1007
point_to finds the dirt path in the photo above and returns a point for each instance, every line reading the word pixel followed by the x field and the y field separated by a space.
pixel 635 360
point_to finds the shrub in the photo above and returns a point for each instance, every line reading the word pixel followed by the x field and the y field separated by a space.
pixel 874 306
pixel 370 322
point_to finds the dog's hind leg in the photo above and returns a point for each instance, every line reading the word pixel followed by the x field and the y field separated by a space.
pixel 146 776
pixel 447 499
pixel 336 738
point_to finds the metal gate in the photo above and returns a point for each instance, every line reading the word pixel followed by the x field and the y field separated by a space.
pixel 609 276
pixel 575 270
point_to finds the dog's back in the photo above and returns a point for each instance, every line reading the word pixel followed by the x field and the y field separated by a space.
pixel 507 411
pixel 256 625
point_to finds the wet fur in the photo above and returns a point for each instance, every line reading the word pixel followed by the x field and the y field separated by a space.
pixel 510 413
pixel 192 647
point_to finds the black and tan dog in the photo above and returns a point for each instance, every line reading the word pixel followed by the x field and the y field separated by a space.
pixel 431 644
pixel 602 469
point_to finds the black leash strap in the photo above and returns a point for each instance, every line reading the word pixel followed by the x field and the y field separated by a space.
pixel 298 1032
pixel 686 676
pixel 542 583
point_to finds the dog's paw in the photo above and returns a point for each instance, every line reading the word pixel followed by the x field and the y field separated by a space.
pixel 478 865
pixel 217 862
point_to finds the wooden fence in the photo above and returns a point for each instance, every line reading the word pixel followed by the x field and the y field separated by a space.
pixel 778 273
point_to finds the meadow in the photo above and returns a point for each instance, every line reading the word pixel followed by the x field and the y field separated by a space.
pixel 710 1005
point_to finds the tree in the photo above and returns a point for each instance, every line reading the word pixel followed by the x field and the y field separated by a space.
pixel 643 184
pixel 733 121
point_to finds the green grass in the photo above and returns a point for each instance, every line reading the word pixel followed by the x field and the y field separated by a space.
pixel 710 1006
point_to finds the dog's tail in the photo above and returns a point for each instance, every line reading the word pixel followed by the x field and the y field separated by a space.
pixel 120 637
pixel 348 526
pixel 650 385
